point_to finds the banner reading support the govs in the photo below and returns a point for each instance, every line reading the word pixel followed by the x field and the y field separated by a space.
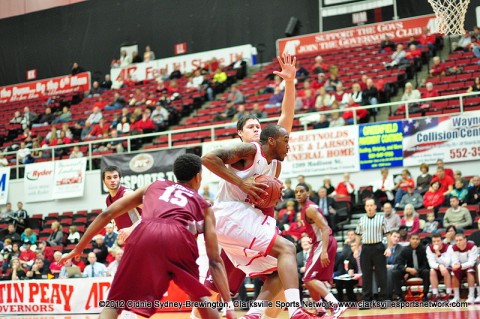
pixel 4 179
pixel 142 169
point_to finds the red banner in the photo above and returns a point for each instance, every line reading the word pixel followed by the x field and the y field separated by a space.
pixel 46 87
pixel 356 36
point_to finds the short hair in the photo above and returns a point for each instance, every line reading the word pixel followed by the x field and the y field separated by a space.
pixel 436 235
pixel 111 169
pixel 454 197
pixel 271 130
pixel 414 235
pixel 304 186
pixel 460 234
pixel 424 165
pixel 241 122
pixel 394 232
pixel 439 184
pixel 440 168
pixel 384 170
pixel 186 166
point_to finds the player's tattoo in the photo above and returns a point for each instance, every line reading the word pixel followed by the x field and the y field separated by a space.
pixel 236 153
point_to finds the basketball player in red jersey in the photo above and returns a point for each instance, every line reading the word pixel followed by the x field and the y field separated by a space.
pixel 321 260
pixel 165 243
pixel 111 176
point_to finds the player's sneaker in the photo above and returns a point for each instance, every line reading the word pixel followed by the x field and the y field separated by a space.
pixel 477 300
pixel 320 311
pixel 338 310
pixel 252 316
pixel 471 300
pixel 434 298
pixel 301 313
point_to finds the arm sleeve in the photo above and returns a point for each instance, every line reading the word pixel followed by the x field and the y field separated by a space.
pixel 472 258
pixel 432 261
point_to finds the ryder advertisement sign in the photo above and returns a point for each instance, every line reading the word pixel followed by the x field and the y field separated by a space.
pixel 46 87
pixel 354 37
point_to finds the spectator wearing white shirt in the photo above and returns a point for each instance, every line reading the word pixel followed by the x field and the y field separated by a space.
pixel 112 268
pixel 356 95
pixel 24 154
pixel 3 160
pixel 96 116
pixel 160 117
pixel 439 257
pixel 94 269
pixel 76 153
pixel 384 185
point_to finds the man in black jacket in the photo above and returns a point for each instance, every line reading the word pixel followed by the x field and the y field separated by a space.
pixel 412 263
pixel 392 262
pixel 473 196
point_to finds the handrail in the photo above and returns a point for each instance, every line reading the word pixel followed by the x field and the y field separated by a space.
pixel 171 133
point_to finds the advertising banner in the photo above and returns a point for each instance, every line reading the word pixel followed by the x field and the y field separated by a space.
pixel 69 180
pixel 46 87
pixel 451 138
pixel 322 152
pixel 142 169
pixel 38 182
pixel 4 180
pixel 380 145
pixel 354 37
pixel 186 63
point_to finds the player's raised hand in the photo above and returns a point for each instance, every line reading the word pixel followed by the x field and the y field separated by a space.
pixel 287 63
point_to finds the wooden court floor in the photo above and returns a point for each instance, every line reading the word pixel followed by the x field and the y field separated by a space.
pixel 470 312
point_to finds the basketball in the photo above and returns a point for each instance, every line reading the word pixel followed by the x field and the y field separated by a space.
pixel 274 191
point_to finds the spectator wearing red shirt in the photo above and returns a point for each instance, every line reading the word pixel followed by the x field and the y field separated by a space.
pixel 77 260
pixel 27 257
pixel 413 52
pixel 448 171
pixel 296 229
pixel 402 186
pixel 446 182
pixel 427 40
pixel 434 198
pixel 98 129
pixel 437 69
pixel 345 188
pixel 308 100
pixel 319 66
pixel 129 82
pixel 55 267
pixel 363 82
pixel 307 85
pixel 339 93
pixel 430 92
pixel 319 82
pixel 145 124
pixel 362 114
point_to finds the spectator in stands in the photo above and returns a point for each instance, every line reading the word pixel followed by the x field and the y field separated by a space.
pixel 276 99
pixel 302 73
pixel 125 59
pixel 450 233
pixel 76 130
pixel 118 119
pixel 439 256
pixel 383 187
pixel 100 249
pixel 340 93
pixel 473 196
pixel 457 215
pixel 95 116
pixel 464 42
pixel 94 269
pixel 474 88
pixel 106 83
pixel 18 272
pixel 336 120
pixel 110 236
pixel 21 215
pixel 411 220
pixel 361 114
pixel 327 183
pixel 9 251
pixel 65 117
pixel 332 82
pixel 412 263
pixel 326 204
pixel 307 100
pixel 411 197
pixel 413 53
pixel 465 255
pixel 56 267
pixel 302 257
pixel 448 171
pixel 323 100
pixel 392 263
pixel 27 256
pixel 370 93
pixel 345 188
pixel 77 260
pixel 434 198
pixel 45 118
pixel 398 57
pixel 424 179
pixel 29 118
pixel 118 102
pixel 459 190
pixel 86 130
pixel 430 92
pixel 196 80
pixel 458 175
pixel 39 270
pixel 437 69
pixel 36 151
pixel 145 124
pixel 139 98
pixel 112 268
pixel 322 122
pixel 446 182
pixel 43 248
pixel 136 58
pixel 427 40
pixel 73 235
pixel 431 225
pixel 402 185
pixel 56 237
pixel 241 112
pixel 76 69
pixel 76 153
pixel 116 146
pixel 17 118
pixel 391 217
pixel 296 229
pixel 176 73
pixel 258 112
pixel 30 236
pixel 7 214
pixel 24 154
pixel 96 90
pixel 356 95
pixel 410 94
pixel 149 55
pixel 319 66
pixel 387 45
pixel 124 127
pixel 319 82
pixel 235 96
pixel 63 272
pixel 98 130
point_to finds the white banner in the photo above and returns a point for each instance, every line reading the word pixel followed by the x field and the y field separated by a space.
pixel 4 180
pixel 187 63
pixel 38 182
pixel 55 296
pixel 69 180
pixel 321 152
pixel 450 138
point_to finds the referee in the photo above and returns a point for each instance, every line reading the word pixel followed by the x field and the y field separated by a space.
pixel 370 231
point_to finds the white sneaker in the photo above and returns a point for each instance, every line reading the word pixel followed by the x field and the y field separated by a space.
pixel 192 314
pixel 224 312
pixel 454 300
pixel 471 300
pixel 477 300
pixel 338 311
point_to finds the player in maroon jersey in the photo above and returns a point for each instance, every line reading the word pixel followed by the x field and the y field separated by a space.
pixel 321 260
pixel 165 242
pixel 125 223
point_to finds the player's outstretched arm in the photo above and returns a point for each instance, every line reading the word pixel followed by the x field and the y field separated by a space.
pixel 120 207
pixel 217 268
pixel 287 63
pixel 216 160
pixel 321 223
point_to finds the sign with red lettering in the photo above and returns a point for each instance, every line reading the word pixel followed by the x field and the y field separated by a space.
pixel 46 87
pixel 38 182
pixel 186 63
pixel 356 36
pixel 180 48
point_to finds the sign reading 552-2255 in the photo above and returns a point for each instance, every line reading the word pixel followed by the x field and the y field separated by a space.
pixel 465 152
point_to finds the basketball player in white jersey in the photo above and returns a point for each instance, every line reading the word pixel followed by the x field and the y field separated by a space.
pixel 248 236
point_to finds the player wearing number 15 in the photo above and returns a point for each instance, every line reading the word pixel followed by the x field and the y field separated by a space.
pixel 165 242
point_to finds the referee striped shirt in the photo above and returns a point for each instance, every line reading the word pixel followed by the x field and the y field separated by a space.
pixel 372 229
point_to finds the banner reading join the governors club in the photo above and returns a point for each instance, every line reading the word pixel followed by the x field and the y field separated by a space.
pixel 451 138
pixel 142 169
